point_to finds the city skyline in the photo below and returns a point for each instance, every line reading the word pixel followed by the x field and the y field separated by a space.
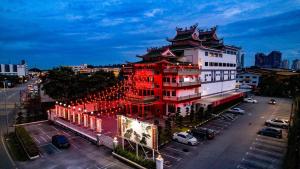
pixel 112 32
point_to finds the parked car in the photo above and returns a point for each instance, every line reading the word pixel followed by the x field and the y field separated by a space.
pixel 250 100
pixel 277 123
pixel 202 132
pixel 272 101
pixel 236 110
pixel 184 137
pixel 271 131
pixel 60 141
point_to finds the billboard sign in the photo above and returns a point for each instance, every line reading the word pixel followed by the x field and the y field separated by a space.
pixel 139 132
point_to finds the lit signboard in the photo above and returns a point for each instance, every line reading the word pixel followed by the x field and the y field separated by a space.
pixel 137 131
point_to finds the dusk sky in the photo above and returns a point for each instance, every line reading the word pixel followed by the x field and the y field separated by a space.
pixel 49 33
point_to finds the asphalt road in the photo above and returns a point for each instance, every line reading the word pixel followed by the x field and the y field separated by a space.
pixel 82 154
pixel 237 145
pixel 12 96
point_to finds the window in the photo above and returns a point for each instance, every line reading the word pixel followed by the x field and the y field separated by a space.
pixel 231 65
pixel 247 76
pixel 227 64
pixel 173 93
pixel 6 68
pixel 220 64
pixel 216 64
pixel 241 76
pixel 224 64
pixel 206 53
pixel 254 77
pixel 173 79
pixel 152 92
pixel 168 93
pixel 220 55
pixel 210 63
pixel 206 63
pixel 254 82
pixel 15 68
pixel 164 93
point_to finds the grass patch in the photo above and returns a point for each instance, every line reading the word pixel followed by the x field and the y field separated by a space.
pixel 27 141
pixel 132 156
pixel 15 148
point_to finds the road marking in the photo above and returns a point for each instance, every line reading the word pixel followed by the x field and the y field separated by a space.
pixel 170 148
pixel 108 165
pixel 176 158
pixel 55 147
pixel 36 140
pixel 43 138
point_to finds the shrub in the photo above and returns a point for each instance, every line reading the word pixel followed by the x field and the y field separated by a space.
pixel 149 164
pixel 27 141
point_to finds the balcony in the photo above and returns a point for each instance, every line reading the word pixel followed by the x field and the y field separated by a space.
pixel 181 84
pixel 181 98
pixel 182 71
pixel 141 98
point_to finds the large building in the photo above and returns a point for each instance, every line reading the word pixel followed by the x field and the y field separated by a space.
pixel 272 60
pixel 20 70
pixel 296 64
pixel 195 65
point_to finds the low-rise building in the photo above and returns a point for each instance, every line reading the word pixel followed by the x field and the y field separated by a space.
pixel 20 70
pixel 247 79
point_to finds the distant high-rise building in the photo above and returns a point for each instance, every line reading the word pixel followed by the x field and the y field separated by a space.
pixel 296 64
pixel 240 59
pixel 285 64
pixel 272 60
pixel 260 59
pixel 275 59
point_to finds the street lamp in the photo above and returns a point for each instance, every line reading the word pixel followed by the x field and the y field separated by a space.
pixel 4 86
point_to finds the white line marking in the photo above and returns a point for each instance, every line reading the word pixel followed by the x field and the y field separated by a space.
pixel 108 165
pixel 55 147
pixel 178 159
pixel 43 138
pixel 170 148
pixel 36 140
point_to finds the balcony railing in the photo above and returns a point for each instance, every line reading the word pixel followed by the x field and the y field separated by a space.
pixel 182 71
pixel 181 84
pixel 174 98
pixel 141 98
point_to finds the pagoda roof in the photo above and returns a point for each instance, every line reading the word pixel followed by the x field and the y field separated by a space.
pixel 158 52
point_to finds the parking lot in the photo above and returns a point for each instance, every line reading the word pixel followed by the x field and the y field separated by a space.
pixel 82 154
pixel 237 144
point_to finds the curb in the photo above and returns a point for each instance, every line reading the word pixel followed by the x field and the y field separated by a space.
pixel 7 152
pixel 129 161
pixel 35 122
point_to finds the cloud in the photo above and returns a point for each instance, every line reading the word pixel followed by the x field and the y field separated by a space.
pixel 111 22
pixel 153 12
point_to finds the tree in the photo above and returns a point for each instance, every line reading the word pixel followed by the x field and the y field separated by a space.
pixel 64 85
pixel 192 114
pixel 178 112
pixel 168 128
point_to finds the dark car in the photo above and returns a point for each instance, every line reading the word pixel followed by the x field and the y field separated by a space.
pixel 202 132
pixel 272 101
pixel 270 131
pixel 60 141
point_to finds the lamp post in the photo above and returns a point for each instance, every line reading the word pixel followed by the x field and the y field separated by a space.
pixel 4 86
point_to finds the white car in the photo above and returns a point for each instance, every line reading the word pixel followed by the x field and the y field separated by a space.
pixel 250 100
pixel 185 138
pixel 277 123
pixel 237 110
